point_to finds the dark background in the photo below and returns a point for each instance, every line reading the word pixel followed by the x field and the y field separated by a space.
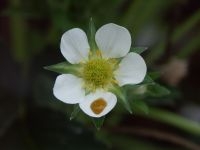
pixel 30 116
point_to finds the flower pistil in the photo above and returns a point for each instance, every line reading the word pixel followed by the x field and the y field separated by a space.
pixel 97 73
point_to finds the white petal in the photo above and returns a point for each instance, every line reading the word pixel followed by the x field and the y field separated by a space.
pixel 109 98
pixel 132 69
pixel 74 45
pixel 113 40
pixel 68 88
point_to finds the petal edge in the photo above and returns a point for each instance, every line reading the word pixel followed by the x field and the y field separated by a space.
pixel 74 45
pixel 113 40
pixel 109 98
pixel 67 88
pixel 132 69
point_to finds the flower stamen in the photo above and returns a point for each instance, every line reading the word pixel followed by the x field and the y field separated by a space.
pixel 98 53
pixel 97 73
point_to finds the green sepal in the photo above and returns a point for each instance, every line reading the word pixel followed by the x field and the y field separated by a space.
pixel 145 83
pixel 98 122
pixel 147 80
pixel 140 105
pixel 63 68
pixel 91 35
pixel 122 97
pixel 75 111
pixel 138 50
pixel 157 90
pixel 154 75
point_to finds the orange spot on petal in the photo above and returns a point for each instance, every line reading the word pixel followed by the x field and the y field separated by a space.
pixel 98 105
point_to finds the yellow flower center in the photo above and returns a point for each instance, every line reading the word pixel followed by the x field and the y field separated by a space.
pixel 98 105
pixel 97 73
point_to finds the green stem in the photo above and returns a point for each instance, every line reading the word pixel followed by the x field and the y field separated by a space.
pixel 173 119
pixel 190 47
pixel 186 26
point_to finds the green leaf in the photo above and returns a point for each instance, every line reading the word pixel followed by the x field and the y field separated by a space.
pixel 122 98
pixel 98 122
pixel 75 111
pixel 141 106
pixel 138 50
pixel 63 67
pixel 91 35
pixel 157 90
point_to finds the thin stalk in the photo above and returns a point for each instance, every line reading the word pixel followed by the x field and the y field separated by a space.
pixel 173 119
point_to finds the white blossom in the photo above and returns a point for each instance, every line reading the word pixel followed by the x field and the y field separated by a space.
pixel 99 70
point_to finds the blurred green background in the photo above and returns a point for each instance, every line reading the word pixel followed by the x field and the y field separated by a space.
pixel 32 119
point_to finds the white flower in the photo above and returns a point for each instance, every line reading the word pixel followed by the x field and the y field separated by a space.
pixel 98 70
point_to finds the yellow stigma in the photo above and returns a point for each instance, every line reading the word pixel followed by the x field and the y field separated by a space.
pixel 97 73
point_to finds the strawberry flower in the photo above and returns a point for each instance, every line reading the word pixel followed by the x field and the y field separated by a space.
pixel 95 72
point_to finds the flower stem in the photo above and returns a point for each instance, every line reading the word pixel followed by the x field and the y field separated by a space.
pixel 173 119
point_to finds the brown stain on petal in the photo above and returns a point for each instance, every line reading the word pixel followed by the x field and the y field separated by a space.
pixel 98 105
